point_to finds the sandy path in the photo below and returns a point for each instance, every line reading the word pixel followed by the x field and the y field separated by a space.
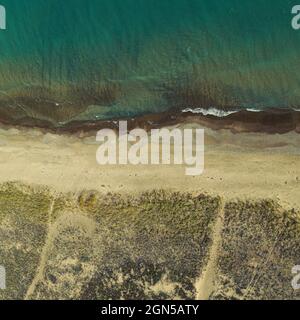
pixel 205 285
pixel 43 258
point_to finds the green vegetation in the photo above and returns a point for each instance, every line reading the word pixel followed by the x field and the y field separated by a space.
pixel 155 245
pixel 261 244
pixel 23 218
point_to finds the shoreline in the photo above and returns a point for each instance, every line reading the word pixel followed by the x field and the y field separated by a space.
pixel 270 121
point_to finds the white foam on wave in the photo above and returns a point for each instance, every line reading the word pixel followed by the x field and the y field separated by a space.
pixel 253 110
pixel 222 113
pixel 211 111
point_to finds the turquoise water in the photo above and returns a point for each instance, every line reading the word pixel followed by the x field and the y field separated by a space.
pixel 130 57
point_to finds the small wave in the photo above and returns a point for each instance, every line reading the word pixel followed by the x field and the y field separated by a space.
pixel 220 113
pixel 253 110
pixel 211 111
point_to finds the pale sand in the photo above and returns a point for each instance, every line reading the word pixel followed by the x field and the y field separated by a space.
pixel 205 284
pixel 244 165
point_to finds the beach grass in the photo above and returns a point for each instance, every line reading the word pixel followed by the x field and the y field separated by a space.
pixel 157 244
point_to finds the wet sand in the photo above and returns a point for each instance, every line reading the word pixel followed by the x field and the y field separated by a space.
pixel 267 121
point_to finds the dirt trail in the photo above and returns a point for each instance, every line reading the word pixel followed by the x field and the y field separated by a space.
pixel 205 284
pixel 43 259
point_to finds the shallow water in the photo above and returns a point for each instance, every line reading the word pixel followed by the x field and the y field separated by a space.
pixel 131 57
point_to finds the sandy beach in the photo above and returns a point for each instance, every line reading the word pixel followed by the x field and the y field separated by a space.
pixel 243 165
pixel 92 218
pixel 211 213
